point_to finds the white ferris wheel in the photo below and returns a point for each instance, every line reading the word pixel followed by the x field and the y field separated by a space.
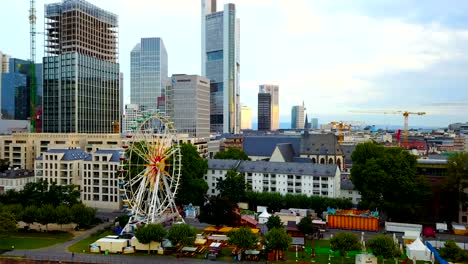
pixel 150 172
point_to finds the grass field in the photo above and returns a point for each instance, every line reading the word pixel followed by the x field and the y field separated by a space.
pixel 81 245
pixel 33 239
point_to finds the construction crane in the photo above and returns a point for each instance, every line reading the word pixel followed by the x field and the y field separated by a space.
pixel 340 126
pixel 32 66
pixel 405 114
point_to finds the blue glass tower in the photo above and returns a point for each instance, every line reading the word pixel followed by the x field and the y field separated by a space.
pixel 221 64
pixel 148 73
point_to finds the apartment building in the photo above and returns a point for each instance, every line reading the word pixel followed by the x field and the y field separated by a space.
pixel 95 173
pixel 15 179
pixel 282 177
pixel 21 149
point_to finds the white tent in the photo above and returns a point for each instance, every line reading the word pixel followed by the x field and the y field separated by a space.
pixel 417 250
pixel 263 217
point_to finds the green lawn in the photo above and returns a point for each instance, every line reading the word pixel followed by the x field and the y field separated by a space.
pixel 79 246
pixel 33 239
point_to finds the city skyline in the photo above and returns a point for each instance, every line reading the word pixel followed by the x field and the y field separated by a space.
pixel 407 58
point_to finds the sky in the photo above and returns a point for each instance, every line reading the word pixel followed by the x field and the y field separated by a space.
pixel 340 58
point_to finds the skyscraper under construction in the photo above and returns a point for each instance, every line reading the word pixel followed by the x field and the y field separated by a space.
pixel 80 68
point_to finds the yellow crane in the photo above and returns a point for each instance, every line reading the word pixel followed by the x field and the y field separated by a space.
pixel 340 126
pixel 405 114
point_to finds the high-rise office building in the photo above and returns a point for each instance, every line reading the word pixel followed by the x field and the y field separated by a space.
pixel 81 70
pixel 315 124
pixel 264 111
pixel 148 73
pixel 221 64
pixel 246 117
pixel 4 65
pixel 15 90
pixel 297 117
pixel 274 91
pixel 187 104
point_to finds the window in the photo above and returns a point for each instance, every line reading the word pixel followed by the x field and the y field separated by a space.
pixel 212 171
pixel 214 55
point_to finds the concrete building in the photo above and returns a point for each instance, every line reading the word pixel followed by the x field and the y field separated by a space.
pixel 220 40
pixel 95 173
pixel 21 149
pixel 4 68
pixel 349 192
pixel 246 117
pixel 188 104
pixel 81 70
pixel 148 73
pixel 282 177
pixel 15 180
pixel 273 90
pixel 264 112
pixel 132 113
pixel 100 180
pixel 297 117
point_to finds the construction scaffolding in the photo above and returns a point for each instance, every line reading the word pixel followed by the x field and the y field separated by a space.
pixel 78 26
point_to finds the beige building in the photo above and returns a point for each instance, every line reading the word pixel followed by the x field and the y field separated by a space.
pixel 15 179
pixel 246 117
pixel 95 173
pixel 21 149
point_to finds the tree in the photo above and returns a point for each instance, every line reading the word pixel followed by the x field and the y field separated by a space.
pixel 345 242
pixel 122 220
pixel 383 246
pixel 452 252
pixel 274 222
pixel 232 153
pixel 306 226
pixel 82 215
pixel 277 240
pixel 7 223
pixel 193 187
pixel 219 211
pixel 150 232
pixel 453 188
pixel 181 234
pixel 233 186
pixel 63 214
pixel 30 214
pixel 378 172
pixel 46 215
pixel 4 164
pixel 243 238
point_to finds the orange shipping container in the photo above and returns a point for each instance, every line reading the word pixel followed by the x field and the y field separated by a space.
pixel 353 222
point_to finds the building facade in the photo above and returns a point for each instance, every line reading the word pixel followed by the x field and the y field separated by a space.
pixel 21 149
pixel 148 73
pixel 188 104
pixel 315 123
pixel 95 173
pixel 246 117
pixel 81 70
pixel 273 90
pixel 264 111
pixel 221 64
pixel 282 177
pixel 16 90
pixel 15 180
pixel 132 113
pixel 297 117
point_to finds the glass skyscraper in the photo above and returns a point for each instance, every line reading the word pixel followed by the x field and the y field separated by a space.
pixel 15 90
pixel 264 111
pixel 221 64
pixel 81 70
pixel 148 74
pixel 273 90
pixel 297 116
